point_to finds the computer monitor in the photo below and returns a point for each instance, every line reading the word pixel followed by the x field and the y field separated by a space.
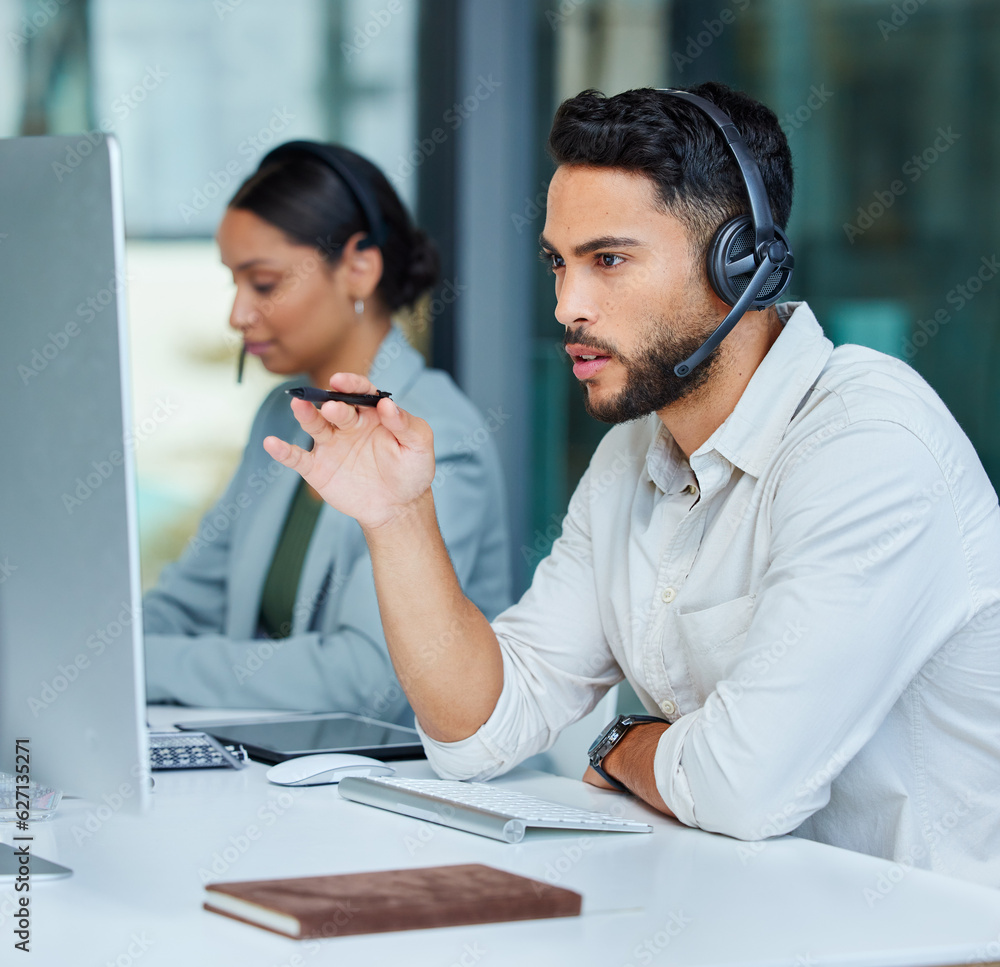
pixel 71 669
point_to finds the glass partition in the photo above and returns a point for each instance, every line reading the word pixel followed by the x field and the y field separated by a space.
pixel 891 116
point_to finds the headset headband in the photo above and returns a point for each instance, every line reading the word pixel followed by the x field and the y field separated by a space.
pixel 760 206
pixel 329 154
pixel 771 258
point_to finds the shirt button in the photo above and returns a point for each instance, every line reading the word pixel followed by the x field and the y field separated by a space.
pixel 667 707
pixel 690 489
pixel 668 595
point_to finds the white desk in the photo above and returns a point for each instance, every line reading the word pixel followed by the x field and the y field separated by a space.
pixel 675 896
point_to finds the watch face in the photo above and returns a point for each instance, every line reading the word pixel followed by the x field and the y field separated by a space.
pixel 613 733
pixel 606 741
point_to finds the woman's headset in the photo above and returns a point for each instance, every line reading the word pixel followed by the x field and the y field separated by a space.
pixel 340 162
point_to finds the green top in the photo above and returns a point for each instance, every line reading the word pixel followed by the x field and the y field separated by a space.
pixel 277 602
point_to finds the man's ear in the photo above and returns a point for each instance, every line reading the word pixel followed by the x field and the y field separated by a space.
pixel 362 266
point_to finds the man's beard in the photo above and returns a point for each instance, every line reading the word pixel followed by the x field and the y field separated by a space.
pixel 650 381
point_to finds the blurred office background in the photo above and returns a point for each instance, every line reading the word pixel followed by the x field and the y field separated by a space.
pixel 889 108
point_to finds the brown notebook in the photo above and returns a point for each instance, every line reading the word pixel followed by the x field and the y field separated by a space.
pixel 436 896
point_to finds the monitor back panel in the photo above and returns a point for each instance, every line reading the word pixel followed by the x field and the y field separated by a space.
pixel 71 677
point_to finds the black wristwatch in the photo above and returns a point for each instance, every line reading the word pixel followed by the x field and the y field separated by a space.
pixel 609 738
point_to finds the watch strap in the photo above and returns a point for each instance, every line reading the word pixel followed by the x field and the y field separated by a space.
pixel 599 769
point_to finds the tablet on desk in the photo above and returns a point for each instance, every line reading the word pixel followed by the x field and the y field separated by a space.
pixel 274 740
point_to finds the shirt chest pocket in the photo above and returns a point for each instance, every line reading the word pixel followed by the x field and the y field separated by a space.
pixel 711 640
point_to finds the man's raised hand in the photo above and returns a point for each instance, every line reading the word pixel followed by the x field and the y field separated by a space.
pixel 367 462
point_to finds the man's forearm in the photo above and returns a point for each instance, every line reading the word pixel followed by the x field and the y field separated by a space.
pixel 631 763
pixel 444 651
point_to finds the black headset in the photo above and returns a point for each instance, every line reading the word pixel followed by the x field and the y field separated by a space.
pixel 750 261
pixel 340 161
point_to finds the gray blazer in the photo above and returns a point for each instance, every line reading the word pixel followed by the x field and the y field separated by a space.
pixel 202 642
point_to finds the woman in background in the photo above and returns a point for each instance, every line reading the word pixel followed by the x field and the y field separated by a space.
pixel 272 605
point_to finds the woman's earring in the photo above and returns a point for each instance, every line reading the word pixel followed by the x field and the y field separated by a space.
pixel 239 365
pixel 359 307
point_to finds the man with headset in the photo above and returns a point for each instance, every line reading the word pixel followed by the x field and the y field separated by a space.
pixel 790 551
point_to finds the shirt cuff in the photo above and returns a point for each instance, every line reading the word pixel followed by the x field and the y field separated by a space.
pixel 498 745
pixel 465 759
pixel 671 782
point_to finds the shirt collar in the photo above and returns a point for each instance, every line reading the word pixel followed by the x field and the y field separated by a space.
pixel 775 392
pixel 666 465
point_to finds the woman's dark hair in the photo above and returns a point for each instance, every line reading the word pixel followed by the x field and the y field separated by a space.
pixel 676 144
pixel 309 202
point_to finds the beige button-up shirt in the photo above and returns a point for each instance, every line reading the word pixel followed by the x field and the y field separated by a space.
pixel 812 601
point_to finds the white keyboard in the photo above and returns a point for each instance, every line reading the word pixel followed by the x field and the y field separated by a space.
pixel 478 807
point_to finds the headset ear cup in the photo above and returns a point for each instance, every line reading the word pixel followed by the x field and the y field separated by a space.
pixel 730 264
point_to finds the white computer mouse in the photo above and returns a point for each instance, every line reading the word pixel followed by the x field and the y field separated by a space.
pixel 325 767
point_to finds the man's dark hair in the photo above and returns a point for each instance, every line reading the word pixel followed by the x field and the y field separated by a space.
pixel 678 146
